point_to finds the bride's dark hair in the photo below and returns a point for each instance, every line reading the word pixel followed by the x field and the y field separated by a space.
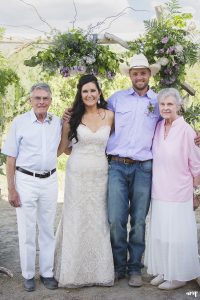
pixel 78 107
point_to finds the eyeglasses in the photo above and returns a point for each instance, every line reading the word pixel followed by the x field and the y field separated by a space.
pixel 37 98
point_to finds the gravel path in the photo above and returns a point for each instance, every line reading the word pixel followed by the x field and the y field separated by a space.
pixel 12 289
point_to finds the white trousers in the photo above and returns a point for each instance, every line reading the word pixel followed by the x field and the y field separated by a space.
pixel 38 206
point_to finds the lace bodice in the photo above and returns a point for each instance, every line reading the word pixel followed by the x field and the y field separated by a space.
pixel 90 142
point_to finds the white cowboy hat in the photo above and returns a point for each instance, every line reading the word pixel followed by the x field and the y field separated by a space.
pixel 139 61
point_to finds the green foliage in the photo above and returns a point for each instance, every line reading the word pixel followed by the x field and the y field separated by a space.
pixel 192 104
pixel 173 7
pixel 74 53
pixel 2 161
pixel 192 115
pixel 8 78
pixel 167 44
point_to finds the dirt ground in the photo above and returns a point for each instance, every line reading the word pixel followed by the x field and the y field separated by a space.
pixel 12 289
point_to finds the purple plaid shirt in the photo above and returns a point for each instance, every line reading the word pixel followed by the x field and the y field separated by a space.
pixel 135 122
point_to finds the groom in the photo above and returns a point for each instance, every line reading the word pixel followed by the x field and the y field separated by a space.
pixel 130 172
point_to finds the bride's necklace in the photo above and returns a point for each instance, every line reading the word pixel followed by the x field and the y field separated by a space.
pixel 98 113
pixel 102 115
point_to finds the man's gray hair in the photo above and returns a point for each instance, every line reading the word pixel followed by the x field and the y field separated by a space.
pixel 170 92
pixel 40 86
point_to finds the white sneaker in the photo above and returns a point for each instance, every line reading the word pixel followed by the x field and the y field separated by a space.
pixel 171 285
pixel 157 280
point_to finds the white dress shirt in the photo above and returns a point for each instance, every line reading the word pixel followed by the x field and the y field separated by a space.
pixel 34 144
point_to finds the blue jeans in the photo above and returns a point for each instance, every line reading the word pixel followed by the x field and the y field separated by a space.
pixel 129 192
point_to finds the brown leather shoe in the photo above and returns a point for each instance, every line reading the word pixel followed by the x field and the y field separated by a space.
pixel 135 280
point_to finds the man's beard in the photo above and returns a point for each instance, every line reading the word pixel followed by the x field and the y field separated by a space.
pixel 140 88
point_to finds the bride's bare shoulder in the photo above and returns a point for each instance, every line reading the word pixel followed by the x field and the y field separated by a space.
pixel 110 114
pixel 110 117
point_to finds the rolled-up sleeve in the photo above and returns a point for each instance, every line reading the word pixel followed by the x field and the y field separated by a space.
pixel 111 101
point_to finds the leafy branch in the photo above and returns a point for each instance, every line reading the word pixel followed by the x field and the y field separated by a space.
pixel 74 53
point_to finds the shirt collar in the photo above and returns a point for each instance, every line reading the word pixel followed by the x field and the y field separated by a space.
pixel 150 93
pixel 178 121
pixel 34 118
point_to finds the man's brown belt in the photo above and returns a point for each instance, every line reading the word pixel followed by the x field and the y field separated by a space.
pixel 125 160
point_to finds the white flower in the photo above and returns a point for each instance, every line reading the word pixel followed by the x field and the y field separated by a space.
pixel 178 48
pixel 89 59
pixel 163 61
pixel 191 26
pixel 155 68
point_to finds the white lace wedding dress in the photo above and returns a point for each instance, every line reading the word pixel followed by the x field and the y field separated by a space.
pixel 83 255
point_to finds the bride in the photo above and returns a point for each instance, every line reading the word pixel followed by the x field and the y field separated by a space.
pixel 83 251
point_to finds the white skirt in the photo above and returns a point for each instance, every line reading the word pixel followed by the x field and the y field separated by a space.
pixel 172 248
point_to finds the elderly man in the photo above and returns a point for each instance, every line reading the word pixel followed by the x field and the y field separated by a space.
pixel 130 171
pixel 31 149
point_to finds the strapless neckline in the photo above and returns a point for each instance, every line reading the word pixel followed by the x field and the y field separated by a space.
pixel 102 126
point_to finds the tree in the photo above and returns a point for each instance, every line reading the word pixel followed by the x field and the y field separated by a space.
pixel 7 78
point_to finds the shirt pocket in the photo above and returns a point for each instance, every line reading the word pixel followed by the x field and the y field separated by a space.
pixel 122 117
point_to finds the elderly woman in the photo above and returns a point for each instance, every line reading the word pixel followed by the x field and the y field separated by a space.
pixel 172 250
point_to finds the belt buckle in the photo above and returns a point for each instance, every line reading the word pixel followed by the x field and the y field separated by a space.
pixel 124 161
pixel 46 174
pixel 43 174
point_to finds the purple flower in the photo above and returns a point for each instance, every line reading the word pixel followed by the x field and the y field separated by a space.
pixel 172 79
pixel 165 40
pixel 80 68
pixel 65 72
pixel 170 50
pixel 176 67
pixel 94 72
pixel 110 74
pixel 168 71
pixel 161 51
pixel 167 82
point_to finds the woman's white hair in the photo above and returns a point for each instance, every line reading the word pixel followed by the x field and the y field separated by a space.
pixel 170 92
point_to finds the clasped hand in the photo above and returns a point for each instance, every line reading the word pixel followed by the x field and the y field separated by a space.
pixel 196 201
pixel 67 116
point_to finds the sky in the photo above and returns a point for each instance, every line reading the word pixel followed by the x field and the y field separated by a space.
pixel 23 18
